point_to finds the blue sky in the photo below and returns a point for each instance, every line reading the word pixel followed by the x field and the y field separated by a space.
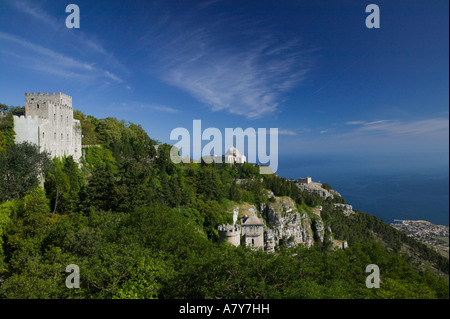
pixel 372 99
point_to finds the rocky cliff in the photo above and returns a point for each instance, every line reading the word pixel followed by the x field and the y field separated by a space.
pixel 288 225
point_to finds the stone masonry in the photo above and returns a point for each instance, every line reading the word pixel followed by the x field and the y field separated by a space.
pixel 49 123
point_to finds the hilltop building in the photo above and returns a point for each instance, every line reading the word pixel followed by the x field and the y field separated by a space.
pixel 232 156
pixel 250 233
pixel 48 123
pixel 231 234
pixel 253 232
pixel 304 180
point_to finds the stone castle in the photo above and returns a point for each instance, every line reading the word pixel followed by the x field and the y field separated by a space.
pixel 250 233
pixel 49 124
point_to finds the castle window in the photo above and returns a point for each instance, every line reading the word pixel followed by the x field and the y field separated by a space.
pixel 54 136
pixel 54 117
pixel 43 135
pixel 37 106
pixel 61 136
pixel 253 241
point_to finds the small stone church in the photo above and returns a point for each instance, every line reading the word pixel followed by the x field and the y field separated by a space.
pixel 48 123
pixel 250 233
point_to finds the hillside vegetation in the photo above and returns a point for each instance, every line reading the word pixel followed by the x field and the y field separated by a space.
pixel 140 226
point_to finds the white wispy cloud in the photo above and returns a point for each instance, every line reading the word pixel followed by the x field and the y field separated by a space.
pixel 249 78
pixel 44 59
pixel 134 105
pixel 286 132
pixel 80 41
pixel 432 126
pixel 356 122
pixel 42 16
pixel 36 12
pixel 400 136
pixel 161 108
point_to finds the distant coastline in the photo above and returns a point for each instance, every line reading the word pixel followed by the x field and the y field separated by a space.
pixel 403 196
pixel 436 236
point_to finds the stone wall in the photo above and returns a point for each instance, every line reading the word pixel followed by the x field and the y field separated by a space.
pixel 26 129
pixel 305 180
pixel 57 131
pixel 230 233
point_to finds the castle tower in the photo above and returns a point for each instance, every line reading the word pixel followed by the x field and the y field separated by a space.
pixel 230 233
pixel 49 123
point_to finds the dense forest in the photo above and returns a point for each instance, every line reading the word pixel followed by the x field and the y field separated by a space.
pixel 140 226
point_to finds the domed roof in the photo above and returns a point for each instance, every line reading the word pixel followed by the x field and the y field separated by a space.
pixel 233 151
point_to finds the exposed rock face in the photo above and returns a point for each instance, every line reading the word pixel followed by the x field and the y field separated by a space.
pixel 284 224
pixel 319 231
pixel 347 209
pixel 240 210
pixel 269 243
pixel 317 188
pixel 289 227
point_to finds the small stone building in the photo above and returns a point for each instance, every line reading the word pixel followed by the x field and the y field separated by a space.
pixel 253 232
pixel 250 233
pixel 304 180
pixel 232 156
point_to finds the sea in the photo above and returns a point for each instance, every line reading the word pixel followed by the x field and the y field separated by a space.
pixel 389 194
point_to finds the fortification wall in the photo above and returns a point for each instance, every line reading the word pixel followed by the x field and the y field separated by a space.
pixel 49 123
pixel 26 129
pixel 230 233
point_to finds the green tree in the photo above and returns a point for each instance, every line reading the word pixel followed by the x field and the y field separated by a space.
pixel 20 168
pixel 57 187
pixel 102 187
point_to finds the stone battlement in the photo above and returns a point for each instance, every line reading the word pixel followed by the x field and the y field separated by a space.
pixel 229 230
pixel 26 118
pixel 49 123
pixel 46 94
pixel 33 101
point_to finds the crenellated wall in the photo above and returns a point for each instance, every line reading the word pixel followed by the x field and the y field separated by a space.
pixel 57 131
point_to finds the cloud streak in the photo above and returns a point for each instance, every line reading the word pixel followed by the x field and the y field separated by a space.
pixel 134 105
pixel 407 137
pixel 248 78
pixel 396 128
pixel 286 132
pixel 43 59
pixel 80 42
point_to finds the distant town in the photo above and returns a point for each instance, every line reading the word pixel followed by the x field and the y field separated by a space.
pixel 426 232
